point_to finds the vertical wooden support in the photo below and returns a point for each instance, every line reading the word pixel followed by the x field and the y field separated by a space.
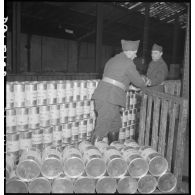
pixel 175 40
pixel 16 20
pixel 28 47
pixel 99 31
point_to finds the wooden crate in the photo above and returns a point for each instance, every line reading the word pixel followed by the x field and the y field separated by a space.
pixel 160 128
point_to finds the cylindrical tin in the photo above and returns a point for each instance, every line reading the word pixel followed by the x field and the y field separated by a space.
pixel 66 133
pixel 51 92
pixel 33 117
pixel 69 91
pixel 47 136
pixel 57 135
pixel 83 145
pixel 121 136
pixel 84 184
pixel 25 140
pixel 44 116
pixel 22 119
pixel 167 182
pixel 79 108
pixel 30 94
pixel 82 130
pixel 116 165
pixel 76 90
pixel 147 184
pixel 72 110
pixel 73 162
pixel 19 94
pixel 127 185
pixel 9 95
pixel 64 113
pixel 42 93
pixel 11 121
pixel 37 138
pixel 132 143
pixel 127 132
pixel 101 145
pixel 86 107
pixel 89 127
pixel 51 163
pixel 60 92
pixel 54 114
pixel 62 184
pixel 158 165
pixel 118 145
pixel 29 165
pixel 125 116
pixel 75 132
pixel 9 165
pixel 106 185
pixel 39 185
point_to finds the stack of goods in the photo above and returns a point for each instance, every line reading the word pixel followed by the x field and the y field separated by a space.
pixel 87 168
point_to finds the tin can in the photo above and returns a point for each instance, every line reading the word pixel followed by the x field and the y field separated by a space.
pixel 79 108
pixel 60 92
pixel 51 92
pixel 25 140
pixel 69 91
pixel 86 107
pixel 9 95
pixel 121 136
pixel 73 162
pixel 132 143
pixel 106 184
pixel 84 184
pixel 72 109
pixel 9 165
pixel 158 165
pixel 37 138
pixel 64 113
pixel 83 90
pixel 51 163
pixel 147 184
pixel 62 184
pixel 132 131
pixel 118 145
pixel 89 127
pixel 29 166
pixel 75 132
pixel 22 119
pixel 33 117
pixel 82 130
pixel 127 185
pixel 127 132
pixel 39 185
pixel 83 145
pixel 44 116
pixel 42 93
pixel 54 114
pixel 47 136
pixel 30 94
pixel 19 94
pixel 101 145
pixel 57 135
pixel 11 121
pixel 66 133
pixel 76 90
pixel 116 165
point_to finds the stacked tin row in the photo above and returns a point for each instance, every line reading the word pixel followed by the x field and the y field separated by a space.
pixel 126 168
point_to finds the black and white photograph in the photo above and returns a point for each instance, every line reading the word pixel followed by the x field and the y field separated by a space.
pixel 97 97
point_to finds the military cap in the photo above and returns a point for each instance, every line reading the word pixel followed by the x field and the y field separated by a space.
pixel 130 45
pixel 156 47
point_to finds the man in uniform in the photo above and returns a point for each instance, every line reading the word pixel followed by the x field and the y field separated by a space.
pixel 157 70
pixel 110 95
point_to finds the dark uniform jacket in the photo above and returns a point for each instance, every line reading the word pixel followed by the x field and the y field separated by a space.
pixel 122 69
pixel 157 72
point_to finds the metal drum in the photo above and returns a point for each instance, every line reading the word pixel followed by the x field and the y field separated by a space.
pixel 72 111
pixel 76 90
pixel 42 93
pixel 86 107
pixel 147 184
pixel 121 136
pixel 83 90
pixel 25 140
pixel 57 135
pixel 54 114
pixel 51 92
pixel 62 184
pixel 60 92
pixel 51 163
pixel 44 116
pixel 158 165
pixel 82 130
pixel 66 133
pixel 106 184
pixel 9 95
pixel 89 127
pixel 30 94
pixel 79 109
pixel 11 121
pixel 33 117
pixel 127 132
pixel 116 165
pixel 64 113
pixel 101 145
pixel 39 185
pixel 137 165
pixel 75 132
pixel 131 143
pixel 73 162
pixel 19 94
pixel 118 145
pixel 22 119
pixel 47 136
pixel 84 184
pixel 29 166
pixel 69 91
pixel 127 185
pixel 167 182
pixel 9 165
pixel 37 138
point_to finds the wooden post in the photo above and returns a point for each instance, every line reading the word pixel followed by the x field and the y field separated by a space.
pixel 175 40
pixel 99 30
pixel 16 37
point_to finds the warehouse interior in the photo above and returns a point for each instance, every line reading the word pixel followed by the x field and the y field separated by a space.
pixel 50 40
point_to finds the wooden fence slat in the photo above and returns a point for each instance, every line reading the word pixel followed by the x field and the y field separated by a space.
pixel 155 123
pixel 163 125
pixel 148 120
pixel 142 120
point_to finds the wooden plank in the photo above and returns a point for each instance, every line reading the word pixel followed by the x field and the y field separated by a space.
pixel 163 125
pixel 148 120
pixel 23 53
pixel 156 112
pixel 142 120
pixel 9 53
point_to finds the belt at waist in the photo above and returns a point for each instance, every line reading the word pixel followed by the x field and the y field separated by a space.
pixel 114 82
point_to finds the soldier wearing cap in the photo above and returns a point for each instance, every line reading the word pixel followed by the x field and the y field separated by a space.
pixel 110 95
pixel 157 70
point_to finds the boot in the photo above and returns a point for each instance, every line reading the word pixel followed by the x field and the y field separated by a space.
pixel 112 136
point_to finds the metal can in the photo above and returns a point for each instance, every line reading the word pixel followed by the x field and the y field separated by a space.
pixel 72 110
pixel 62 184
pixel 47 136
pixel 19 94
pixel 57 135
pixel 29 166
pixel 54 114
pixel 118 145
pixel 39 185
pixel 132 131
pixel 84 184
pixel 106 184
pixel 79 108
pixel 42 93
pixel 33 117
pixel 9 165
pixel 51 163
pixel 121 136
pixel 127 185
pixel 76 90
pixel 37 138
pixel 83 145
pixel 147 184
pixel 51 92
pixel 158 165
pixel 30 94
pixel 66 133
pixel 116 165
pixel 127 132
pixel 82 130
pixel 69 91
pixel 83 90
pixel 73 162
pixel 9 95
pixel 11 121
pixel 25 140
pixel 75 132
pixel 86 107
pixel 44 116
pixel 90 122
pixel 132 143
pixel 101 145
pixel 60 92
pixel 22 119
pixel 64 113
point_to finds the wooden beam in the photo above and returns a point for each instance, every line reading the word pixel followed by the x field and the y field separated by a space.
pixel 175 40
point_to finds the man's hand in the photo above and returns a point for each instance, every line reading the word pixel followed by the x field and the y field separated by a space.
pixel 146 80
